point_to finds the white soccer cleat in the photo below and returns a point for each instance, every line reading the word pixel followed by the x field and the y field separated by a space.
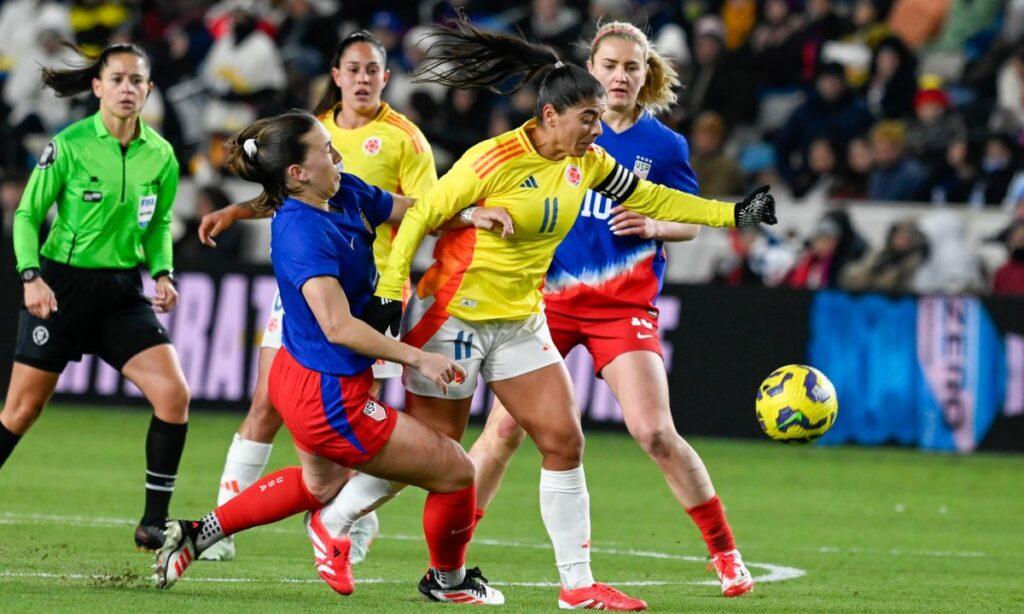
pixel 175 556
pixel 362 535
pixel 735 578
pixel 224 550
pixel 474 590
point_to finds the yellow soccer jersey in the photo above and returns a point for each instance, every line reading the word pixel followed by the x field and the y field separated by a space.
pixel 391 153
pixel 478 275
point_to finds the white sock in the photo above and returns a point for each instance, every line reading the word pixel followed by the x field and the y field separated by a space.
pixel 565 508
pixel 244 465
pixel 450 578
pixel 361 495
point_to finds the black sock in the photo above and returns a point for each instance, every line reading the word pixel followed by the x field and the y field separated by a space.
pixel 7 442
pixel 164 444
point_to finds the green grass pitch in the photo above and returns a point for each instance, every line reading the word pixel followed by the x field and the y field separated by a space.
pixel 840 529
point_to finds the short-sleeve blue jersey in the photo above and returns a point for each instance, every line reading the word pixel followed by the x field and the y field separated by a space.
pixel 597 274
pixel 307 242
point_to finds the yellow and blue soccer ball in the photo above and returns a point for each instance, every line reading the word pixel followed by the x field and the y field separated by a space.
pixel 796 404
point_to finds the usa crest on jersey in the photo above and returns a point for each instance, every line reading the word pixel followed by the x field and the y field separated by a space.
pixel 641 167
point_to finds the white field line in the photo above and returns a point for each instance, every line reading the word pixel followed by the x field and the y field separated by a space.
pixel 773 573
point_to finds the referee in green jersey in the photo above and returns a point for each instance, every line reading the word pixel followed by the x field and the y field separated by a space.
pixel 114 180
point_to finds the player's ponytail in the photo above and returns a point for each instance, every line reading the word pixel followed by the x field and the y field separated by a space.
pixel 71 81
pixel 657 94
pixel 263 151
pixel 464 56
pixel 332 93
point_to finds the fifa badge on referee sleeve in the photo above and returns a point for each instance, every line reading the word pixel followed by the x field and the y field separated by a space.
pixel 49 155
pixel 147 207
pixel 375 410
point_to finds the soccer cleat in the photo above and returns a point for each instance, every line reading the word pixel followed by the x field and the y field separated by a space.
pixel 330 555
pixel 175 556
pixel 149 537
pixel 362 534
pixel 224 550
pixel 474 590
pixel 736 580
pixel 599 596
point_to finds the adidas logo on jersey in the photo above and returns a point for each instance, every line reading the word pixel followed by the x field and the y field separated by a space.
pixel 529 183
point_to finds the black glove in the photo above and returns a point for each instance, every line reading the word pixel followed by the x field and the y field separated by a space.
pixel 758 208
pixel 383 314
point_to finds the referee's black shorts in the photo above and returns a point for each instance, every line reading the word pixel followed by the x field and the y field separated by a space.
pixel 99 311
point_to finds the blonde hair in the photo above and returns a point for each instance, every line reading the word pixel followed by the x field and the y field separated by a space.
pixel 657 94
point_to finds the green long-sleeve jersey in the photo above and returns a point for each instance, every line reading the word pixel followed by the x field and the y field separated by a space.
pixel 113 203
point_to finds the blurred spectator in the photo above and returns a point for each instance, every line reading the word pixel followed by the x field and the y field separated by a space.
pixel 21 22
pixel 831 111
pixel 953 182
pixel 1009 278
pixel 952 266
pixel 823 24
pixel 464 121
pixel 95 21
pixel 853 178
pixel 775 46
pixel 834 246
pixel 967 19
pixel 817 181
pixel 893 267
pixel 717 173
pixel 739 18
pixel 210 198
pixel 1010 92
pixel 35 109
pixel 869 27
pixel 734 267
pixel 552 23
pixel 717 81
pixel 933 128
pixel 918 21
pixel 895 176
pixel 890 92
pixel 999 166
pixel 387 26
pixel 245 72
pixel 306 38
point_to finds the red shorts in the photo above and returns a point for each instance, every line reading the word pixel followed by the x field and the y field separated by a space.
pixel 333 417
pixel 605 338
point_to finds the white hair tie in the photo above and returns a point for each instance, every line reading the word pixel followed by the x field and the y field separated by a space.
pixel 559 64
pixel 250 148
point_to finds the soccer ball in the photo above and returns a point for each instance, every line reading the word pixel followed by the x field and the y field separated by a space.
pixel 796 404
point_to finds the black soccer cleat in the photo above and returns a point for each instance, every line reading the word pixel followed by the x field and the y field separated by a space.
pixel 149 537
pixel 474 590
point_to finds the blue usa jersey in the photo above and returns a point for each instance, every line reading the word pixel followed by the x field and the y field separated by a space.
pixel 596 274
pixel 306 242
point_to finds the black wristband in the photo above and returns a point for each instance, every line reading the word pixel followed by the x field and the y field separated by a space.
pixel 168 274
pixel 30 274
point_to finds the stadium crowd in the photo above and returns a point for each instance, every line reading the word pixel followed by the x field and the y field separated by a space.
pixel 828 100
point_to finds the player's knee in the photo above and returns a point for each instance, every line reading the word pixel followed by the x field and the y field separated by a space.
pixel 658 441
pixel 21 412
pixel 457 475
pixel 564 446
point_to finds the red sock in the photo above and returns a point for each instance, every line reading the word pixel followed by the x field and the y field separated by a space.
pixel 448 522
pixel 477 517
pixel 710 519
pixel 271 498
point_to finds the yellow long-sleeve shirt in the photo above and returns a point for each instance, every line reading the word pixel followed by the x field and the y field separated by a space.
pixel 390 153
pixel 477 275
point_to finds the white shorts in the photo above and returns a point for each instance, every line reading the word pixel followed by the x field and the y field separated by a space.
pixel 382 369
pixel 495 350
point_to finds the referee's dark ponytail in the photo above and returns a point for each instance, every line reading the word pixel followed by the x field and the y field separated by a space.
pixel 263 151
pixel 464 56
pixel 71 81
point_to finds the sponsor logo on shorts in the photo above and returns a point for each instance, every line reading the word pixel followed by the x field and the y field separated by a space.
pixel 643 336
pixel 467 302
pixel 375 410
pixel 40 335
